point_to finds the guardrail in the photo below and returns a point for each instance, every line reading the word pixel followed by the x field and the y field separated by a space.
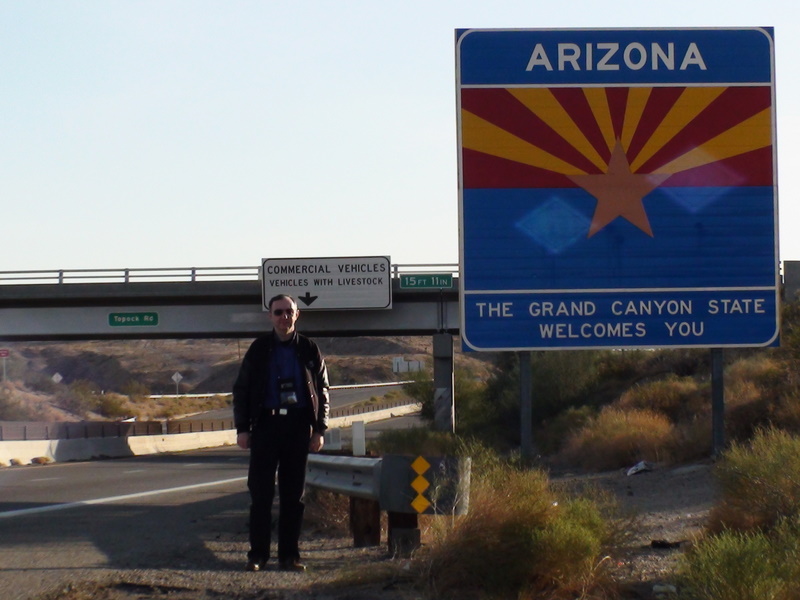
pixel 403 486
pixel 353 476
pixel 175 274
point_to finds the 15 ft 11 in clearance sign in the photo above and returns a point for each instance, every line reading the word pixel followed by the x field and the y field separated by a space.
pixel 617 188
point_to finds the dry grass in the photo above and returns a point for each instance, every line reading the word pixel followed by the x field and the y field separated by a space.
pixel 327 512
pixel 617 438
pixel 744 566
pixel 752 550
pixel 761 391
pixel 677 398
pixel 759 483
pixel 518 540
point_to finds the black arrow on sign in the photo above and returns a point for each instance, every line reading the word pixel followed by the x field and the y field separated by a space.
pixel 308 299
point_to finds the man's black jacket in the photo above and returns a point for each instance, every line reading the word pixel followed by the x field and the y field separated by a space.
pixel 250 388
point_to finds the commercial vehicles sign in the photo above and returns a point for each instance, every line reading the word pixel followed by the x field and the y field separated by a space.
pixel 617 188
pixel 352 282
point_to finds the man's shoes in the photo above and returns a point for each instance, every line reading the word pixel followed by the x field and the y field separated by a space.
pixel 292 565
pixel 255 565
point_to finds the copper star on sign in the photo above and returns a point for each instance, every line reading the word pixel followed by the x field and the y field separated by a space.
pixel 619 193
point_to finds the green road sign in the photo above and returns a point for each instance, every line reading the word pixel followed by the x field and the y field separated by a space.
pixel 426 281
pixel 133 319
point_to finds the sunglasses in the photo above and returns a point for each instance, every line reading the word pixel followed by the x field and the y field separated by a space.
pixel 279 312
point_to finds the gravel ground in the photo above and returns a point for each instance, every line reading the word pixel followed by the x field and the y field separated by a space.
pixel 671 505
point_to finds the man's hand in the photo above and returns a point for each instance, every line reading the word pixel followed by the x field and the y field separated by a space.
pixel 316 443
pixel 243 440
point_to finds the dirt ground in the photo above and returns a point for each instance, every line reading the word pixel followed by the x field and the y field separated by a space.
pixel 670 506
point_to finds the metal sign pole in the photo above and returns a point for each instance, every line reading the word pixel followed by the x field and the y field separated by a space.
pixel 717 402
pixel 526 404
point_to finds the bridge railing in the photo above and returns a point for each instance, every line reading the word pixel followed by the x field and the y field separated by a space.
pixel 175 274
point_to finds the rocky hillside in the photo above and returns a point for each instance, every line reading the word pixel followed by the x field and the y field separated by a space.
pixel 36 371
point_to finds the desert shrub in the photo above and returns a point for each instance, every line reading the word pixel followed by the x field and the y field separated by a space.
pixel 40 382
pixel 562 380
pixel 80 397
pixel 470 407
pixel 327 512
pixel 763 370
pixel 10 407
pixel 759 483
pixel 790 330
pixel 786 413
pixel 621 364
pixel 518 540
pixel 759 393
pixel 683 362
pixel 114 406
pixel 744 565
pixel 617 438
pixel 421 389
pixel 692 439
pixel 135 389
pixel 676 397
pixel 414 440
pixel 553 434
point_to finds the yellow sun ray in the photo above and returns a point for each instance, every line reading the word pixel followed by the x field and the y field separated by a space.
pixel 749 135
pixel 634 108
pixel 598 103
pixel 542 103
pixel 690 104
pixel 482 136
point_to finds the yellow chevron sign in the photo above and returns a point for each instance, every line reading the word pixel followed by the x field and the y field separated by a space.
pixel 420 484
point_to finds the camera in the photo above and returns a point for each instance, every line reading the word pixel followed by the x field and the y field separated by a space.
pixel 287 392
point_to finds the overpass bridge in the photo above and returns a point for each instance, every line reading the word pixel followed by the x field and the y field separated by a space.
pixel 215 302
pixel 193 302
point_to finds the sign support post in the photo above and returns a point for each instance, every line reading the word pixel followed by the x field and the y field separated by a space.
pixel 526 404
pixel 717 402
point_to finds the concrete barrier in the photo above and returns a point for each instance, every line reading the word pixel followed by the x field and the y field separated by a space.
pixel 93 448
pixel 375 415
pixel 138 445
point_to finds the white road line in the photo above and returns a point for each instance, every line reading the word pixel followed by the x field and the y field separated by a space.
pixel 55 507
pixel 45 479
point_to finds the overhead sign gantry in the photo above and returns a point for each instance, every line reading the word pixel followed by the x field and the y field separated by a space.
pixel 617 188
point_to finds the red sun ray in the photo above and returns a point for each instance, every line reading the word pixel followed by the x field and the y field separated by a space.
pixel 503 110
pixel 731 107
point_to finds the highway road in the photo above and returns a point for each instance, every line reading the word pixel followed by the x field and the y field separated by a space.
pixel 60 486
pixel 131 518
pixel 79 520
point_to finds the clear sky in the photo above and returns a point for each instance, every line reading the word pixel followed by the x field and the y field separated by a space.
pixel 178 133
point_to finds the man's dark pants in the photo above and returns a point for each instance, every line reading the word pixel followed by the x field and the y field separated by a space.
pixel 280 442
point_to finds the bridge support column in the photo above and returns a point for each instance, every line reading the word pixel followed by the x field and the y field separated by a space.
pixel 443 397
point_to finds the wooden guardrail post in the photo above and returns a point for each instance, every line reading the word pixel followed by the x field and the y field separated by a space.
pixel 365 522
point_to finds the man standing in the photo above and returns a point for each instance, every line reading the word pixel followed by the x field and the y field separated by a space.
pixel 280 409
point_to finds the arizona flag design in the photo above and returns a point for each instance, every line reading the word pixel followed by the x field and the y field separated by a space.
pixel 621 191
